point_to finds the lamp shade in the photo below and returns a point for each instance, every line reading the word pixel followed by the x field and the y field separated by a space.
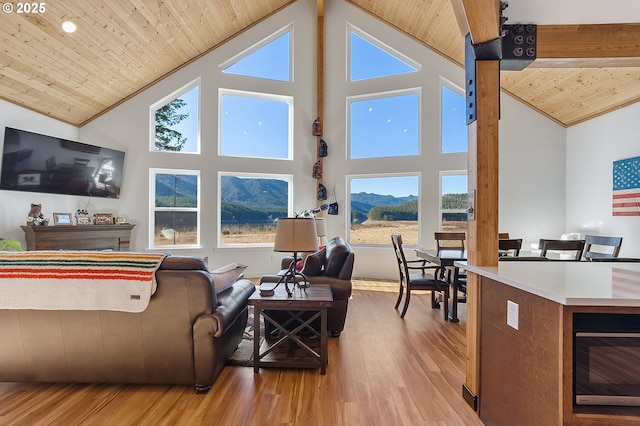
pixel 321 227
pixel 296 234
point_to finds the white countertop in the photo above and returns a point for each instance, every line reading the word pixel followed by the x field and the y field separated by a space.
pixel 570 283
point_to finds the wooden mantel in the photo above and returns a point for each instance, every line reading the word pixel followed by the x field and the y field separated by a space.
pixel 79 237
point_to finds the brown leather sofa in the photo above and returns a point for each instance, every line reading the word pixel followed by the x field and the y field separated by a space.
pixel 333 266
pixel 184 336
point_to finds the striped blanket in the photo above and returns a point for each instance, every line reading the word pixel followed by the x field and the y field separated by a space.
pixel 77 280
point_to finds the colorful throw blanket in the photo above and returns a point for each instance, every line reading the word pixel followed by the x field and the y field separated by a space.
pixel 77 280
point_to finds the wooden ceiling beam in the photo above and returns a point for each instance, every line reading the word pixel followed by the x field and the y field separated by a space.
pixel 480 18
pixel 586 46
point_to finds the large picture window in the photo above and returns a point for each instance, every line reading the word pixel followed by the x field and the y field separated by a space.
pixel 385 125
pixel 250 205
pixel 175 212
pixel 453 126
pixel 383 205
pixel 270 58
pixel 255 125
pixel 454 201
pixel 175 121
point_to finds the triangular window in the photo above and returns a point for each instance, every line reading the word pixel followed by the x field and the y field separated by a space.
pixel 270 58
pixel 370 58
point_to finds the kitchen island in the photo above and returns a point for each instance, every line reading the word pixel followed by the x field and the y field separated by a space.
pixel 525 326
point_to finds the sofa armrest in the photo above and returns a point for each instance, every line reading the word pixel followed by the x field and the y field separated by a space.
pixel 231 302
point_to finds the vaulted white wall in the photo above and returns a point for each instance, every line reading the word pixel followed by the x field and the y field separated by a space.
pixel 592 147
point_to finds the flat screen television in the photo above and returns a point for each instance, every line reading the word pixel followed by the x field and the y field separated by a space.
pixel 33 162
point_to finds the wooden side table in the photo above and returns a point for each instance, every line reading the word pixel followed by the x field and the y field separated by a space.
pixel 290 348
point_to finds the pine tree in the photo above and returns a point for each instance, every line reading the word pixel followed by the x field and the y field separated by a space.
pixel 168 139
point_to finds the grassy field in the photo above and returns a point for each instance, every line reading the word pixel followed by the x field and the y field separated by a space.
pixel 369 232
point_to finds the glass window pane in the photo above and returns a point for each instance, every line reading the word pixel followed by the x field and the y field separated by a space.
pixel 249 207
pixel 454 125
pixel 381 206
pixel 385 126
pixel 364 53
pixel 270 61
pixel 176 124
pixel 253 126
pixel 175 228
pixel 174 190
pixel 454 202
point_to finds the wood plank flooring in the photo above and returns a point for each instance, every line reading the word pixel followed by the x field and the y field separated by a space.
pixel 382 370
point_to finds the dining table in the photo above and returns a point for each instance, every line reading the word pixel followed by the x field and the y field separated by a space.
pixel 446 258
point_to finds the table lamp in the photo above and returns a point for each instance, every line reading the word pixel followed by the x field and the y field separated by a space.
pixel 296 235
pixel 321 230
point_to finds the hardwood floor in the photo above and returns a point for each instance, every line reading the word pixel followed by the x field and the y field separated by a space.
pixel 382 370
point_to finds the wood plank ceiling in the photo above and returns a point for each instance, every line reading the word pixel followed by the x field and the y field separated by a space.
pixel 123 46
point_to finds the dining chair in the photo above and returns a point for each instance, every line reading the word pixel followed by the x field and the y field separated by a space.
pixel 576 246
pixel 616 259
pixel 524 258
pixel 453 241
pixel 503 235
pixel 450 240
pixel 600 242
pixel 510 246
pixel 422 280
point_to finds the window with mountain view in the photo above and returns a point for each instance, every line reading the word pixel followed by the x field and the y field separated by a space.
pixel 255 125
pixel 175 214
pixel 250 206
pixel 454 201
pixel 383 205
pixel 175 121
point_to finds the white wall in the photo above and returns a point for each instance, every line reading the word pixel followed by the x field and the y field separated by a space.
pixel 532 174
pixel 532 157
pixel 592 147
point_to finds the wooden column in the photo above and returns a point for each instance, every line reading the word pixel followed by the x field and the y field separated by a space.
pixel 481 19
pixel 482 232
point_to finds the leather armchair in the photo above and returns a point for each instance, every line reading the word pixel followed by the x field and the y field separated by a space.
pixel 331 265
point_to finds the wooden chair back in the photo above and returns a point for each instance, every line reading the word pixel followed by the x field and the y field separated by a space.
pixel 576 246
pixel 613 244
pixel 510 247
pixel 450 240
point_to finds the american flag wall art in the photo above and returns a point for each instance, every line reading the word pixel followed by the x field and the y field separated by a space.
pixel 626 187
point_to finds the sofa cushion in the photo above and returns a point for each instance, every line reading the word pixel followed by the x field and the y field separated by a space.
pixel 184 263
pixel 226 275
pixel 313 263
pixel 337 252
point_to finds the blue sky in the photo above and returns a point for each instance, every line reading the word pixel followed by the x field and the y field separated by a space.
pixel 382 126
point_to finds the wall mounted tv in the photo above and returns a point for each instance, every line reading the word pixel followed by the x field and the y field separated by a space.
pixel 37 163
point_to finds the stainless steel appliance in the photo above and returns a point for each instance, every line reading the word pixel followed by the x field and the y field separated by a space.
pixel 606 359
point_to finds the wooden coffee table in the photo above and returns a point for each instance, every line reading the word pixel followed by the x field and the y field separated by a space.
pixel 291 348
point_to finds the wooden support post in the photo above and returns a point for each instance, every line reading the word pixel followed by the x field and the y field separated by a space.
pixel 482 232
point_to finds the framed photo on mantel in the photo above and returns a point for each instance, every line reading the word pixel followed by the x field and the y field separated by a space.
pixel 62 219
pixel 103 218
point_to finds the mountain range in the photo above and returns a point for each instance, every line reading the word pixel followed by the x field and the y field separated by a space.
pixel 258 199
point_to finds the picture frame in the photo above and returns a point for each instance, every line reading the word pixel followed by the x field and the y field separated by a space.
pixel 62 219
pixel 83 220
pixel 103 218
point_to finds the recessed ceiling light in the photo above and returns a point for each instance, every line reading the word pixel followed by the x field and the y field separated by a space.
pixel 68 27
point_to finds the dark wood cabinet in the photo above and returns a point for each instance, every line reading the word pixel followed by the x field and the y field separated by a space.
pixel 79 237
